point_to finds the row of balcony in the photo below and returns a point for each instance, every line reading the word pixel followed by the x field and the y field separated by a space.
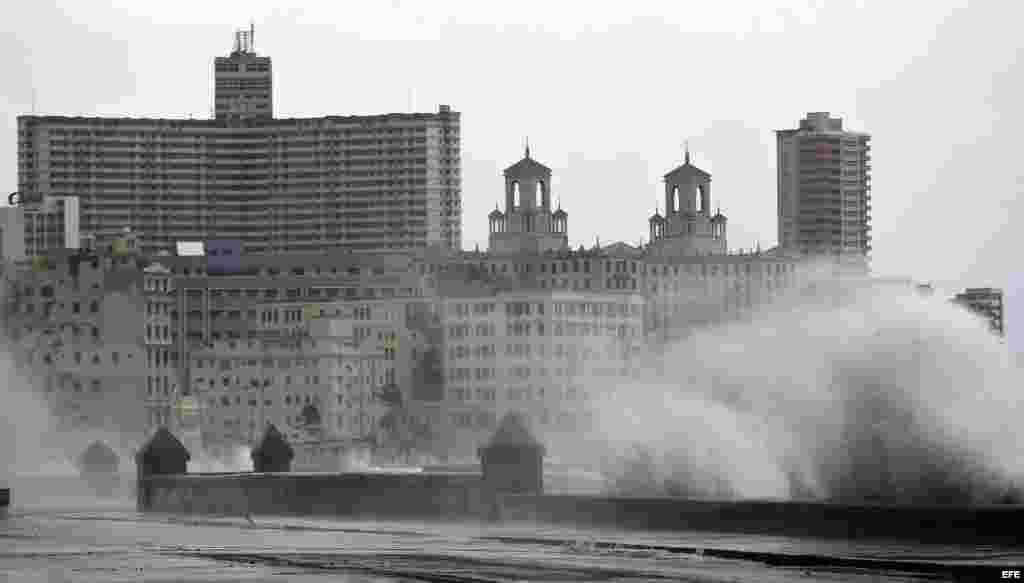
pixel 330 179
pixel 290 143
pixel 276 180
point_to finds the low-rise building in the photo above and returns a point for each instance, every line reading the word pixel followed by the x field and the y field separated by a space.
pixel 74 321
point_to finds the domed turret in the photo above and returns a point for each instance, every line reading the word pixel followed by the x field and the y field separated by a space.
pixel 496 218
pixel 657 225
pixel 718 223
pixel 527 223
pixel 559 221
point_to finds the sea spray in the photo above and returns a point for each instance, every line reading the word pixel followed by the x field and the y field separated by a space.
pixel 234 459
pixel 852 392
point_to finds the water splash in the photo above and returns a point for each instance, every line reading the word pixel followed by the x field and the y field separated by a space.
pixel 854 392
pixel 237 459
pixel 32 443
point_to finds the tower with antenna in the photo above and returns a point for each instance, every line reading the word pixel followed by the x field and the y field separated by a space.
pixel 243 81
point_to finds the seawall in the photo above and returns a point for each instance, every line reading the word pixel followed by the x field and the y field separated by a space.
pixel 352 495
pixel 510 487
pixel 949 524
pixel 464 497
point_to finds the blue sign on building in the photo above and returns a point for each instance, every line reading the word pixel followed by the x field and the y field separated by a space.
pixel 223 256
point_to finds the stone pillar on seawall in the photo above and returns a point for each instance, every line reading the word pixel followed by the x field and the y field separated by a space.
pixel 512 462
pixel 273 454
pixel 162 455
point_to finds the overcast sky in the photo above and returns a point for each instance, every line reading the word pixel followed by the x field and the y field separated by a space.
pixel 607 93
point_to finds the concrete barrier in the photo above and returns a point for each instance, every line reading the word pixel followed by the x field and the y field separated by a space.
pixel 996 524
pixel 512 462
pixel 349 495
pixel 509 487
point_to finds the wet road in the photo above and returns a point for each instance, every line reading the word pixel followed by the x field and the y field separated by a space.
pixel 85 540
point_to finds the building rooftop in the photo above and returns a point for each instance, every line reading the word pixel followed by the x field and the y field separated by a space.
pixel 260 122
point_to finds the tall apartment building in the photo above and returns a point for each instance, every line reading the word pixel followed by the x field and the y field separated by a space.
pixel 824 191
pixel 986 302
pixel 386 183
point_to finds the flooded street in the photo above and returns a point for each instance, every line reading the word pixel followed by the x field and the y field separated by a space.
pixel 88 540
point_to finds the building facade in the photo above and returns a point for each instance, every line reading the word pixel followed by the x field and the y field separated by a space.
pixel 31 229
pixel 73 320
pixel 231 340
pixel 386 183
pixel 536 327
pixel 824 191
pixel 12 233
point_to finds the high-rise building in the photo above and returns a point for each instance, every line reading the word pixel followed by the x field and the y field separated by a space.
pixel 986 302
pixel 243 86
pixel 824 191
pixel 361 183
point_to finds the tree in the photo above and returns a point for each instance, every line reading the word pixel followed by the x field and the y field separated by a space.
pixel 403 432
pixel 392 422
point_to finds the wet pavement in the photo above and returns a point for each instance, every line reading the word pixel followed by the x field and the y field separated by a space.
pixel 108 541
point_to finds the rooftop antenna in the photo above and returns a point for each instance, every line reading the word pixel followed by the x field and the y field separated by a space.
pixel 686 145
pixel 527 146
pixel 252 35
pixel 33 100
